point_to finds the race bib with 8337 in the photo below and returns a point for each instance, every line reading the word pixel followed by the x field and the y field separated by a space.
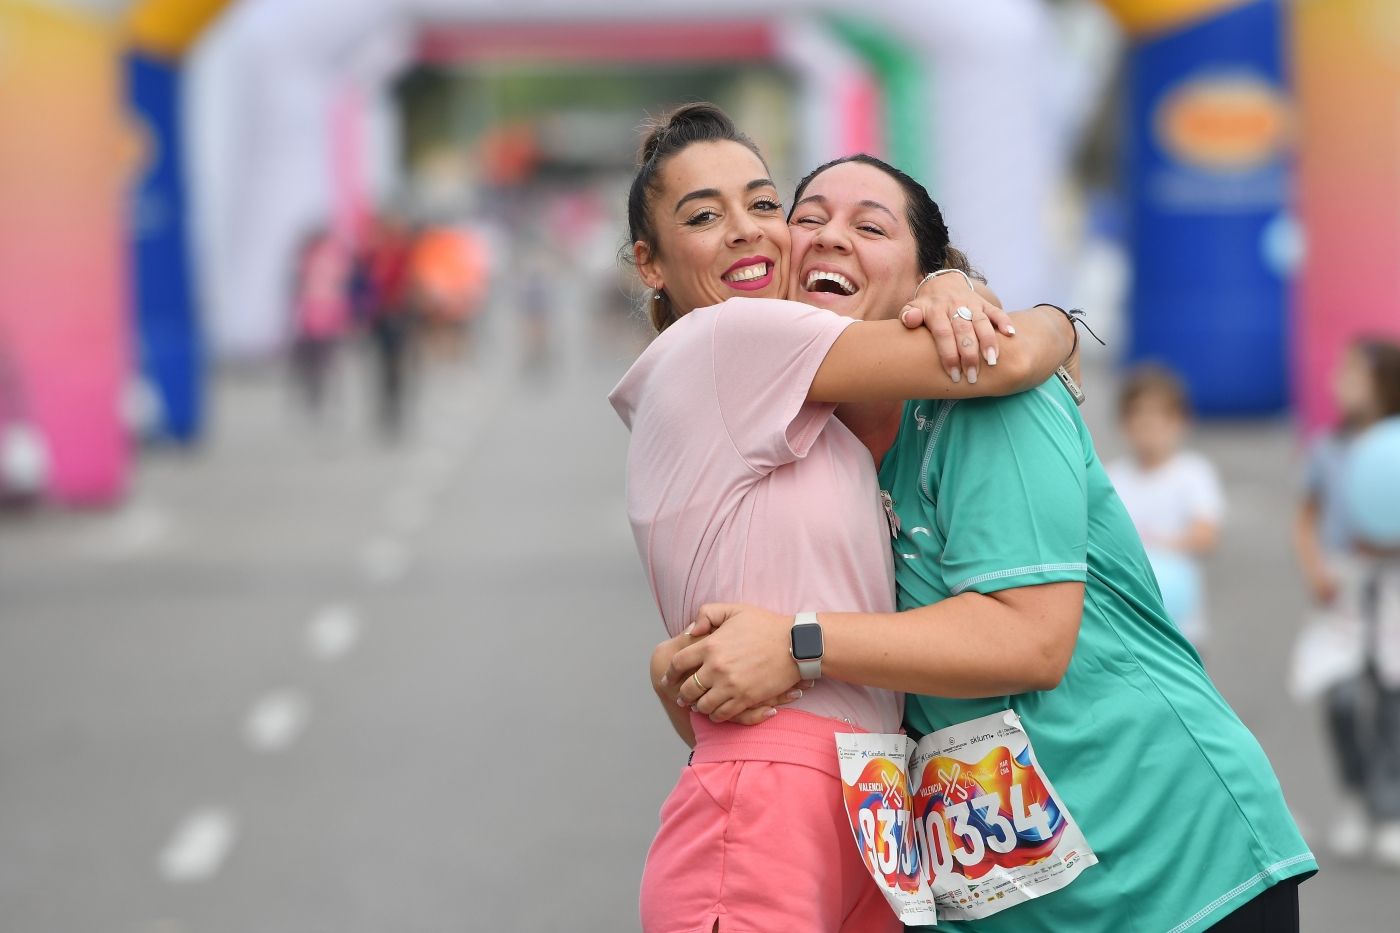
pixel 965 820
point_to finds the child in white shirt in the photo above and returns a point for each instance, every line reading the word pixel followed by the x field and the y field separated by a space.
pixel 1173 495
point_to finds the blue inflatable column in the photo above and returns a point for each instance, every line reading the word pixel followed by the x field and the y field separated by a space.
pixel 1211 240
pixel 168 334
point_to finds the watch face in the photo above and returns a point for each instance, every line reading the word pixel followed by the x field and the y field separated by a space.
pixel 807 641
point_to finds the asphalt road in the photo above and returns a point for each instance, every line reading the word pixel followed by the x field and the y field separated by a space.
pixel 303 681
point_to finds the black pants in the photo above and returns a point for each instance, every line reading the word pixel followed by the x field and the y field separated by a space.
pixel 1272 911
pixel 1363 722
pixel 392 335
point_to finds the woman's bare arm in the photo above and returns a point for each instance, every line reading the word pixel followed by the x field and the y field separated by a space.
pixel 878 361
pixel 971 645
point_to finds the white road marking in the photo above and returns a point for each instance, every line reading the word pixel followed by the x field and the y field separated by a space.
pixel 276 720
pixel 332 632
pixel 198 846
pixel 385 560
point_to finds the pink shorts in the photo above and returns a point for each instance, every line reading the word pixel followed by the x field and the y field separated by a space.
pixel 755 836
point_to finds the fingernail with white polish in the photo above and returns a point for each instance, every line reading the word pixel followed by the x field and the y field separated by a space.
pixel 972 375
pixel 1011 329
pixel 769 713
pixel 956 375
pixel 991 356
pixel 664 680
pixel 794 694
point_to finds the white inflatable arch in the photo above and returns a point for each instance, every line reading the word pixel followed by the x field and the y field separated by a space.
pixel 270 84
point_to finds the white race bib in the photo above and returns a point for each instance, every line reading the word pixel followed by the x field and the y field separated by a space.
pixel 984 828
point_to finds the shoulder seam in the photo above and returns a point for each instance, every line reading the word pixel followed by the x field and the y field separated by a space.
pixel 1017 571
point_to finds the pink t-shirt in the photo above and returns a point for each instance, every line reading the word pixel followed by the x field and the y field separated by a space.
pixel 739 490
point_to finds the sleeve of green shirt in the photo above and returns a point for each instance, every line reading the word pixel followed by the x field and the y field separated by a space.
pixel 1011 493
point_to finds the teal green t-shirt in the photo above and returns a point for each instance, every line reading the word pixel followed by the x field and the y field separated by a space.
pixel 1171 790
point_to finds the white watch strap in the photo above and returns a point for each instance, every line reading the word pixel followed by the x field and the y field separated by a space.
pixel 809 670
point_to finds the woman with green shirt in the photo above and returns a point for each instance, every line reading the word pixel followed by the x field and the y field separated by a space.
pixel 1022 585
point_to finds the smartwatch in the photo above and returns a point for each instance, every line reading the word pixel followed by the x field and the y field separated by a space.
pixel 807 647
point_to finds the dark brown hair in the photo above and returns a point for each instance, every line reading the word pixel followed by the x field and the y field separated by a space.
pixel 921 212
pixel 683 127
pixel 1382 359
pixel 1153 380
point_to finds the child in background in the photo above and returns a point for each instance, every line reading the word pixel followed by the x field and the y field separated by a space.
pixel 1172 495
pixel 1335 657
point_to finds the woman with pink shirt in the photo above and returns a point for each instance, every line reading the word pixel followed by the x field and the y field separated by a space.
pixel 742 487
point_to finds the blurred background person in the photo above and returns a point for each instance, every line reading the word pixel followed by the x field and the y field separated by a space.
pixel 449 282
pixel 393 322
pixel 1341 655
pixel 322 318
pixel 1173 494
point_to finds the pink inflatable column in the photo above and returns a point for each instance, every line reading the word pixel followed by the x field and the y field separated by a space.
pixel 63 308
pixel 1347 72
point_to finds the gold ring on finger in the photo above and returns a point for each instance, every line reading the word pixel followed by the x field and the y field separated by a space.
pixel 696 677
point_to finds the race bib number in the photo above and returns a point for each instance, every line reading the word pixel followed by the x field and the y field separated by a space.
pixel 984 829
pixel 875 781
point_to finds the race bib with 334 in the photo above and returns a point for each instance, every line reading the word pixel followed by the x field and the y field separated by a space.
pixel 984 826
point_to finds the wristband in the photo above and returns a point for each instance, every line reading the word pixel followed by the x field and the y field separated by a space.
pixel 935 274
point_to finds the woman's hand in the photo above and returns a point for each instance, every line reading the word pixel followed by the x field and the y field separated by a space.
pixel 744 661
pixel 963 322
pixel 669 692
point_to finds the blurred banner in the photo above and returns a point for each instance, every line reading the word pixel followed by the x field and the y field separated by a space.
pixel 973 99
pixel 64 325
pixel 902 83
pixel 170 354
pixel 1347 55
pixel 1207 176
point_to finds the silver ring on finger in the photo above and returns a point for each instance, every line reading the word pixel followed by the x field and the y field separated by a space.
pixel 964 312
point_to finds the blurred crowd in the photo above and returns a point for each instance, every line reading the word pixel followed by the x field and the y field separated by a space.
pixel 402 286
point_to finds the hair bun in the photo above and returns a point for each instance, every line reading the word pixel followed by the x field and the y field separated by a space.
pixel 686 117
